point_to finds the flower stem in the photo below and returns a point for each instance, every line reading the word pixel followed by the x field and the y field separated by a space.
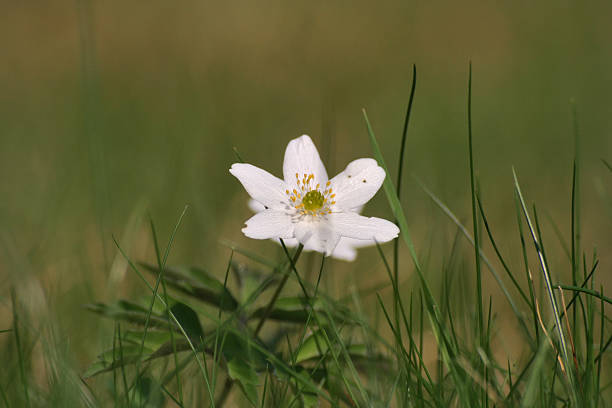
pixel 227 387
pixel 280 287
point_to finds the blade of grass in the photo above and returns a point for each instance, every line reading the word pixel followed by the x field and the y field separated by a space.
pixel 602 324
pixel 430 303
pixel 279 288
pixel 157 283
pixel 20 355
pixel 575 212
pixel 126 389
pixel 391 193
pixel 479 309
pixel 529 277
pixel 549 289
pixel 591 292
pixel 498 253
pixel 161 264
pixel 485 259
pixel 398 187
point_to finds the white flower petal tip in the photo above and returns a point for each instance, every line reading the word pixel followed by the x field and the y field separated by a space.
pixel 357 183
pixel 356 226
pixel 269 224
pixel 255 206
pixel 261 185
pixel 302 158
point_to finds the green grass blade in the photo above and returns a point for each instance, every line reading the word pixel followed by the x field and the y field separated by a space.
pixel 485 259
pixel 591 292
pixel 391 193
pixel 498 253
pixel 20 353
pixel 549 289
pixel 476 235
pixel 398 187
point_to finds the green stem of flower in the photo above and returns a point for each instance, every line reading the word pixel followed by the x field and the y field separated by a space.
pixel 280 287
pixel 227 387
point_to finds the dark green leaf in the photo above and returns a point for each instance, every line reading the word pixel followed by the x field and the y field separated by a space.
pixel 129 312
pixel 296 310
pixel 197 283
pixel 189 321
pixel 315 346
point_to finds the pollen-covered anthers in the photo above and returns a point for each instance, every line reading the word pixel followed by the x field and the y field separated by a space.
pixel 307 197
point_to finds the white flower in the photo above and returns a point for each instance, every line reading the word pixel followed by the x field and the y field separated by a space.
pixel 346 249
pixel 309 207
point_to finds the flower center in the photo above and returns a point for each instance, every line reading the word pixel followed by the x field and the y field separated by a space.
pixel 313 200
pixel 308 199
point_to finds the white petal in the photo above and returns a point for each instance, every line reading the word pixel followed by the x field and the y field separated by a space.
pixel 261 185
pixel 302 157
pixel 255 206
pixel 317 236
pixel 346 248
pixel 344 251
pixel 269 224
pixel 352 225
pixel 357 184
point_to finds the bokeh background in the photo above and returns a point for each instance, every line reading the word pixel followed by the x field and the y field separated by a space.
pixel 114 111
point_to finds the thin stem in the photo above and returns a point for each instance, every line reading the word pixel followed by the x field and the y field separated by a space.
pixel 280 287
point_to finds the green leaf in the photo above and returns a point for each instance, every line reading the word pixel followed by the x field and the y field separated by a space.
pixel 236 345
pixel 197 283
pixel 189 321
pixel 129 312
pixel 112 359
pixel 295 310
pixel 250 280
pixel 243 361
pixel 153 340
pixel 148 393
pixel 240 370
pixel 315 346
pixel 156 345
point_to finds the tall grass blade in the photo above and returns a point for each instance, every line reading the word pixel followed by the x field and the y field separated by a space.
pixel 479 309
pixel 549 289
pixel 20 351
pixel 391 193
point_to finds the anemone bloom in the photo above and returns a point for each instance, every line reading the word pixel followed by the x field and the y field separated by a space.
pixel 346 250
pixel 308 206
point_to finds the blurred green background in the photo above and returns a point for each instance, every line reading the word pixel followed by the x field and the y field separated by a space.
pixel 114 110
